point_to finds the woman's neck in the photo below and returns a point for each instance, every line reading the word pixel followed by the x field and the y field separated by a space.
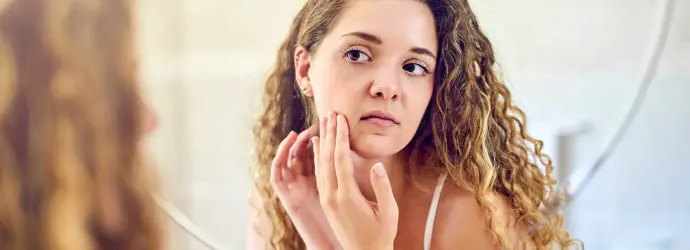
pixel 395 168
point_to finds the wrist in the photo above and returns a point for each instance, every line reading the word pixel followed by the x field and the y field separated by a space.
pixel 323 246
pixel 380 247
pixel 369 247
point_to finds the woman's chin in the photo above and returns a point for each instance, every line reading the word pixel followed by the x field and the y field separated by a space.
pixel 371 148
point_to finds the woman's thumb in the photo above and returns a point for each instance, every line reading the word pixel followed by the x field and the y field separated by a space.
pixel 388 208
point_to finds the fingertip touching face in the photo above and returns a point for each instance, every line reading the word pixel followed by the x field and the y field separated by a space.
pixel 375 67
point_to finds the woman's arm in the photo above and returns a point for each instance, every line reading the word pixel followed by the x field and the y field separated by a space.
pixel 259 227
pixel 254 239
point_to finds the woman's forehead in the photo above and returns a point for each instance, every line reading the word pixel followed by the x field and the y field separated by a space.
pixel 406 22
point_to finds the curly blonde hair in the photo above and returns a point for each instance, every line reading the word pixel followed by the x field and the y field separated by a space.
pixel 72 175
pixel 471 130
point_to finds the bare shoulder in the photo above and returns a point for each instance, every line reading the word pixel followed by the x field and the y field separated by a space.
pixel 461 223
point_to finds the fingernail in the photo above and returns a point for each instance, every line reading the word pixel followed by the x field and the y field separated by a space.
pixel 339 119
pixel 379 170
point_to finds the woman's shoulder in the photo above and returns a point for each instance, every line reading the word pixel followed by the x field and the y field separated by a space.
pixel 460 221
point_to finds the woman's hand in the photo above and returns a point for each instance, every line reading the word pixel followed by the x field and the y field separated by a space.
pixel 357 223
pixel 292 177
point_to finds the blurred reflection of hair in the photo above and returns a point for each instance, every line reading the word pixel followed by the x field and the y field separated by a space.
pixel 72 175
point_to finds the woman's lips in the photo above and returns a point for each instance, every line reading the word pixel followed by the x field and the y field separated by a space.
pixel 382 122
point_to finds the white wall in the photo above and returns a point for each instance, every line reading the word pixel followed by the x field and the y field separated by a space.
pixel 567 62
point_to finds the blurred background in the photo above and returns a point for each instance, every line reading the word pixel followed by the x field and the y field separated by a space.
pixel 573 66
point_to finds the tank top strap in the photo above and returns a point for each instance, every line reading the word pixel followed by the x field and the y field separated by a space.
pixel 431 217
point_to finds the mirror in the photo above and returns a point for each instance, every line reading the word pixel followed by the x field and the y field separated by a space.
pixel 578 69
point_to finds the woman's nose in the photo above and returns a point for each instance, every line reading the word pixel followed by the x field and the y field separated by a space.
pixel 386 85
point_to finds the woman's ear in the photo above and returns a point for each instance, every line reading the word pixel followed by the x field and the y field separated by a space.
pixel 302 65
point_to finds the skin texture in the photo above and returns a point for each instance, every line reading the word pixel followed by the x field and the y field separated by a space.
pixel 428 64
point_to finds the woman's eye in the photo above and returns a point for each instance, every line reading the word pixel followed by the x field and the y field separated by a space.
pixel 415 69
pixel 357 56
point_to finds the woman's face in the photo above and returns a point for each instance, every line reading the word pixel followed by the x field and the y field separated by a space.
pixel 375 67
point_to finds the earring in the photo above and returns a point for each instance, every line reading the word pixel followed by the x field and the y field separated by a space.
pixel 306 90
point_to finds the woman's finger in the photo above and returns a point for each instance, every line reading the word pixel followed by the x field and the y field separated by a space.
pixel 315 141
pixel 317 144
pixel 280 160
pixel 388 207
pixel 297 150
pixel 327 154
pixel 288 175
pixel 343 163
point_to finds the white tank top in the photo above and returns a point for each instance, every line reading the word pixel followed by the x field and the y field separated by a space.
pixel 431 217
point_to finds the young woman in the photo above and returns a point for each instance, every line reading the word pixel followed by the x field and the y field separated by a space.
pixel 407 138
pixel 72 175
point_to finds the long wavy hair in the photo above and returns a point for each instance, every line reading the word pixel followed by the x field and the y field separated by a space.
pixel 72 176
pixel 471 130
